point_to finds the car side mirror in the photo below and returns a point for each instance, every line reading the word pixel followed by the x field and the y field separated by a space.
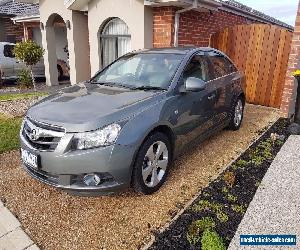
pixel 193 84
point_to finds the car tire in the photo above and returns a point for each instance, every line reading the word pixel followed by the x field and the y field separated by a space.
pixel 152 164
pixel 237 114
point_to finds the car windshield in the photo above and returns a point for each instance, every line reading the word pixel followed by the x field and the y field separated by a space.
pixel 141 71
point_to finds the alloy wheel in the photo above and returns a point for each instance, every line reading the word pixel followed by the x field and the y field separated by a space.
pixel 155 164
pixel 238 113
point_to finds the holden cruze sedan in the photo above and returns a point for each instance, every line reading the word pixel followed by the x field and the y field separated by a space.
pixel 125 126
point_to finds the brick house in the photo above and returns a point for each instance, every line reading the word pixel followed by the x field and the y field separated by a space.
pixel 290 103
pixel 99 31
pixel 9 31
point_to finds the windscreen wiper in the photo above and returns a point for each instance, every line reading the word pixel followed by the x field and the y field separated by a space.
pixel 148 88
pixel 111 84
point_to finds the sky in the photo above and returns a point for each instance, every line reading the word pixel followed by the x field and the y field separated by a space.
pixel 284 10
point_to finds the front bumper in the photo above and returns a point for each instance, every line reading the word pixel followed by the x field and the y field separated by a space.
pixel 64 170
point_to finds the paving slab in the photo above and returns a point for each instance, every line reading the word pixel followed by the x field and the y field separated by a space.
pixel 8 221
pixel 15 240
pixel 275 208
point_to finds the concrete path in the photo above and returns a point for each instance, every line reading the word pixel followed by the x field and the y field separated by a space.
pixel 275 208
pixel 12 237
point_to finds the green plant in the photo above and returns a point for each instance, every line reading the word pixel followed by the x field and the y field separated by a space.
pixel 279 142
pixel 257 184
pixel 9 133
pixel 25 79
pixel 205 194
pixel 238 208
pixel 216 208
pixel 11 97
pixel 211 241
pixel 262 152
pixel 231 197
pixel 242 164
pixel 197 228
pixel 30 53
pixel 225 190
pixel 257 160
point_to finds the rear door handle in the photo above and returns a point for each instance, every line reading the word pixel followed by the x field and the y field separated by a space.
pixel 211 97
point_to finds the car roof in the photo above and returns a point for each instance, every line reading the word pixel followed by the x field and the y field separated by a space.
pixel 175 50
pixel 7 43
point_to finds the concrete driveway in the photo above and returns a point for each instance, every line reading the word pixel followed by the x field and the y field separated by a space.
pixel 56 220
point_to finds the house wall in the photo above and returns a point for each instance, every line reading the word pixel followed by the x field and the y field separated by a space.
pixel 77 36
pixel 290 95
pixel 10 31
pixel 60 37
pixel 133 12
pixel 195 27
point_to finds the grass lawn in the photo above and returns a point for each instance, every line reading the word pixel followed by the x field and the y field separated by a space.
pixel 9 133
pixel 11 97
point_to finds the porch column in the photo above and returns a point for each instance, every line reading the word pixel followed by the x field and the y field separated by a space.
pixel 50 59
pixel 79 50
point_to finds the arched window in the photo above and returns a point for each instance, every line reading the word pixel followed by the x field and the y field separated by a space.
pixel 115 41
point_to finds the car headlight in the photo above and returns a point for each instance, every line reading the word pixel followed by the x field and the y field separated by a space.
pixel 99 138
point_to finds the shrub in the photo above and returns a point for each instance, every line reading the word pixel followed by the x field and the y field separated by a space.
pixel 212 241
pixel 25 79
pixel 30 53
pixel 231 197
pixel 216 208
pixel 238 209
pixel 197 228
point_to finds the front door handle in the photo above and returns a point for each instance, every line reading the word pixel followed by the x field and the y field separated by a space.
pixel 211 97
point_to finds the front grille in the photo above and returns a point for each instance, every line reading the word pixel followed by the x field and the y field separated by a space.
pixel 42 136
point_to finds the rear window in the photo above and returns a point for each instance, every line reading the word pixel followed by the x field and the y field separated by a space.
pixel 8 51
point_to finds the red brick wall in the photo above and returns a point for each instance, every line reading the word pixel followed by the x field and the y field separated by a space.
pixel 163 26
pixel 195 27
pixel 289 91
pixel 12 29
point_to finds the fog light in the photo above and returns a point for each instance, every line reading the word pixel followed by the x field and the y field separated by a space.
pixel 91 180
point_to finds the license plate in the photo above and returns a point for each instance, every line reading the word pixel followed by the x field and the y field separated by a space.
pixel 29 158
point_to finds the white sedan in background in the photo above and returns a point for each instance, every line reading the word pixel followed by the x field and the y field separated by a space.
pixel 10 67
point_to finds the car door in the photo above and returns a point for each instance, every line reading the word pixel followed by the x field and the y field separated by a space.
pixel 223 84
pixel 195 113
pixel 7 61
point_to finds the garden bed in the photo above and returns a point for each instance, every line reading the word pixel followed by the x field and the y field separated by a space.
pixel 213 218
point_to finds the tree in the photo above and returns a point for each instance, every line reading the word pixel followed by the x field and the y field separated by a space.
pixel 30 53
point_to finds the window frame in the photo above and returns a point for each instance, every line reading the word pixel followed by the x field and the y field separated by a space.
pixel 216 54
pixel 115 37
pixel 199 53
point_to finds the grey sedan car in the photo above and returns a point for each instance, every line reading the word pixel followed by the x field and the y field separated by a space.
pixel 124 127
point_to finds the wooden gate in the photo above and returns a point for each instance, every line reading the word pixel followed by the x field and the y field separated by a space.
pixel 260 51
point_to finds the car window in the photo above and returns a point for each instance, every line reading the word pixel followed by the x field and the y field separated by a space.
pixel 198 67
pixel 8 51
pixel 221 65
pixel 144 69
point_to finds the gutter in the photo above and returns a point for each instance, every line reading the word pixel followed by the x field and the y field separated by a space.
pixel 207 5
pixel 21 19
